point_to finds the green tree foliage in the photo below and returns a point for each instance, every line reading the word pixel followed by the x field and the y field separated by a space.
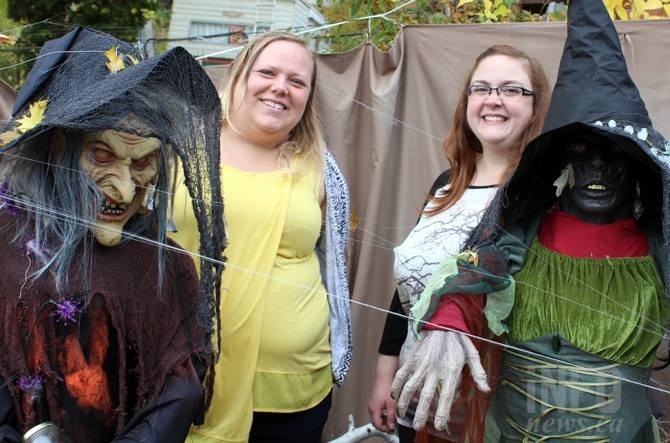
pixel 43 20
pixel 382 30
pixel 8 53
pixel 121 18
pixel 638 9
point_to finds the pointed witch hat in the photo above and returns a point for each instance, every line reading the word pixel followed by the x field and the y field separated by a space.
pixel 595 95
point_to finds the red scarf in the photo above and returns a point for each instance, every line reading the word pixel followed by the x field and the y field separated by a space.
pixel 568 235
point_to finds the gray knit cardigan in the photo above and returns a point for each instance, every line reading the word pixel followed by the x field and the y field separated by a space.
pixel 332 253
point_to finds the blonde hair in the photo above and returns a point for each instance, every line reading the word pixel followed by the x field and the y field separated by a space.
pixel 306 139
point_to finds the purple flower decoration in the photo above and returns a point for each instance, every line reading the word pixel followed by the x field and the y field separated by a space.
pixel 66 311
pixel 30 384
pixel 7 201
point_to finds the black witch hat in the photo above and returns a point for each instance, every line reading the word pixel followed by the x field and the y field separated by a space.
pixel 593 95
pixel 91 81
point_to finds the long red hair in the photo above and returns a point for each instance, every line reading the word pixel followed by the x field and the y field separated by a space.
pixel 462 147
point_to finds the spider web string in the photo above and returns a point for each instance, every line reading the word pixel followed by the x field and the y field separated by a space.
pixel 386 245
pixel 27 205
pixel 378 241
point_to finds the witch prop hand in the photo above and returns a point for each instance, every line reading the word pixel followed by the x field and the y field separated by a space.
pixel 436 364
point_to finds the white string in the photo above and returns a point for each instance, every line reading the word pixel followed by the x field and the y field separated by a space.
pixel 18 28
pixel 69 27
pixel 382 243
pixel 394 121
pixel 389 247
pixel 90 223
pixel 388 117
pixel 228 264
pixel 44 55
pixel 383 16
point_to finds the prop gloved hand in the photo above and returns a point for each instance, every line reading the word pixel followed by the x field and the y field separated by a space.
pixel 436 364
pixel 168 417
pixel 8 434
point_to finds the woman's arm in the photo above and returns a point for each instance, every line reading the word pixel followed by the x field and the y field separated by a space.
pixel 395 327
pixel 381 406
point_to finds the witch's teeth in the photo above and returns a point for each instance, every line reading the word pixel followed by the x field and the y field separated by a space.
pixel 597 187
pixel 111 207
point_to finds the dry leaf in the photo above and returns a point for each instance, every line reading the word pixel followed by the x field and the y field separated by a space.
pixel 114 61
pixel 33 117
pixel 7 39
pixel 567 178
pixel 621 13
pixel 354 221
pixel 9 136
pixel 463 2
pixel 652 4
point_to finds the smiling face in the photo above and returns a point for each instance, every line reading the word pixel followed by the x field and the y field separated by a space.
pixel 497 121
pixel 275 95
pixel 123 166
pixel 604 189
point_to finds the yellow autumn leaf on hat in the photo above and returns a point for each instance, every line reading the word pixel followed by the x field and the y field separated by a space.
pixel 648 4
pixel 114 61
pixel 33 117
pixel 9 136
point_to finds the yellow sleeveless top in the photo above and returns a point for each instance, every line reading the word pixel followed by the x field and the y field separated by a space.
pixel 275 354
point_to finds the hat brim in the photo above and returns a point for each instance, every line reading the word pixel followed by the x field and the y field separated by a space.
pixel 77 109
pixel 530 190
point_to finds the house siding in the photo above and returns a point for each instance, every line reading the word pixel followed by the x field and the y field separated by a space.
pixel 200 17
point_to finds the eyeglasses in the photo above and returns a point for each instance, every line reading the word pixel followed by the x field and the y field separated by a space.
pixel 505 91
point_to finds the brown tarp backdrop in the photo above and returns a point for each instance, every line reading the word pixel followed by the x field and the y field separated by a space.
pixel 385 115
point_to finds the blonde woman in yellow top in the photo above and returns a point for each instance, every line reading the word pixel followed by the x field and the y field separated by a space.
pixel 285 324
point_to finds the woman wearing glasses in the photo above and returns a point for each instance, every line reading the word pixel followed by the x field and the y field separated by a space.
pixel 501 108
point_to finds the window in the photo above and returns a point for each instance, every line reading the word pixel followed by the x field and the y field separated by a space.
pixel 238 35
pixel 233 34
